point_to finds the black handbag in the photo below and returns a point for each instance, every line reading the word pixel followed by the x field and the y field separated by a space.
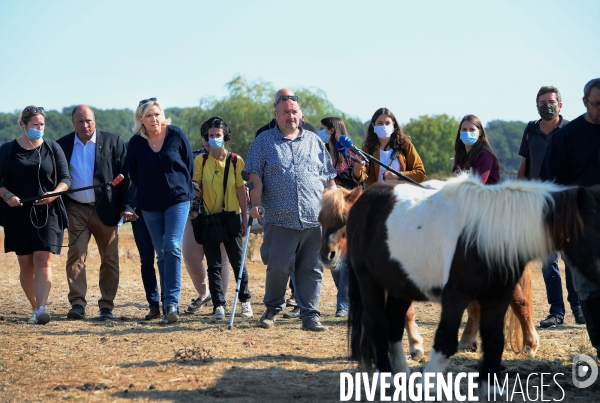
pixel 219 227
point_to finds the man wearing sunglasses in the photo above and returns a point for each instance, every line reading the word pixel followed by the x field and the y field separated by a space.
pixel 285 94
pixel 573 158
pixel 290 168
pixel 94 157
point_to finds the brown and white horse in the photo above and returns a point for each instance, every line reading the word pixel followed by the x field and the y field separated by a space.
pixel 464 242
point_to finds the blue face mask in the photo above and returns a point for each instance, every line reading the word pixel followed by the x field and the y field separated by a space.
pixel 35 134
pixel 217 143
pixel 469 138
pixel 323 135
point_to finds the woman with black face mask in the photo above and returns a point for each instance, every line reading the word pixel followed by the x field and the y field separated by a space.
pixel 29 167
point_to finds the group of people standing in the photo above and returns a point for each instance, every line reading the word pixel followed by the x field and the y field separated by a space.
pixel 167 185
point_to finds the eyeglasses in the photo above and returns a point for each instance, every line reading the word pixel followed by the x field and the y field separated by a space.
pixel 33 109
pixel 143 101
pixel 287 97
pixel 596 105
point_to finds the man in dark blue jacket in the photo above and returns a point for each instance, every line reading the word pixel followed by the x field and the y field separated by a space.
pixel 95 157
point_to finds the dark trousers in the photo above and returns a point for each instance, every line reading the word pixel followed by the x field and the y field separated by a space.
pixel 146 251
pixel 552 279
pixel 233 247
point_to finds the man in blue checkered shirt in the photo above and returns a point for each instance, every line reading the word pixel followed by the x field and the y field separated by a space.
pixel 290 168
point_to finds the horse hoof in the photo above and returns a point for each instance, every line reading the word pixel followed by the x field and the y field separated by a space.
pixel 472 347
pixel 417 355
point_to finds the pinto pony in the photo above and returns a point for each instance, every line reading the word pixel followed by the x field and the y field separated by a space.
pixel 464 242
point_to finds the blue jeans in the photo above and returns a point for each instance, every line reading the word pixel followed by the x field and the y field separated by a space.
pixel 166 230
pixel 284 250
pixel 340 278
pixel 551 274
pixel 146 251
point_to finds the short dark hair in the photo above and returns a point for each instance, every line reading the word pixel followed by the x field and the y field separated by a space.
pixel 548 89
pixel 216 123
pixel 595 83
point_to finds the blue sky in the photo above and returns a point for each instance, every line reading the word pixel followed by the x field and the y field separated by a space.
pixel 483 57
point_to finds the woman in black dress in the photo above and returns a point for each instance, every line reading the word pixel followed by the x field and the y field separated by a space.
pixel 31 166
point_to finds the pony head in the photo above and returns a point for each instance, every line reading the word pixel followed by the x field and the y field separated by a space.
pixel 335 206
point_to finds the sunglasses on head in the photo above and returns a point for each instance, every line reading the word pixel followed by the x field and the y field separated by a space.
pixel 287 97
pixel 33 109
pixel 143 101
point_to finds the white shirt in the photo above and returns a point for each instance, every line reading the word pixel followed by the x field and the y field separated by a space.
pixel 81 168
pixel 384 156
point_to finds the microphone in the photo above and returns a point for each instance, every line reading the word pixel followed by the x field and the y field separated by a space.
pixel 117 180
pixel 344 151
pixel 347 143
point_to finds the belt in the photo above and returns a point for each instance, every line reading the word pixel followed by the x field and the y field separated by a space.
pixel 92 204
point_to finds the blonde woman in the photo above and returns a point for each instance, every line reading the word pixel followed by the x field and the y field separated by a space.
pixel 161 166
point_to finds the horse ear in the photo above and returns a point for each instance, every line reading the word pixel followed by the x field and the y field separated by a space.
pixel 354 194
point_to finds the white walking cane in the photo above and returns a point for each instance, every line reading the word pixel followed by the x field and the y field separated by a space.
pixel 261 210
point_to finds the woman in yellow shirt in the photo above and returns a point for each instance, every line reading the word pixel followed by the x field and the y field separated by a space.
pixel 209 173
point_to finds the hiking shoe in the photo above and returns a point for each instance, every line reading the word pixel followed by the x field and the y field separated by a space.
pixel 247 310
pixel 293 314
pixel 314 326
pixel 551 321
pixel 197 304
pixel 77 312
pixel 42 316
pixel 341 313
pixel 268 319
pixel 33 318
pixel 219 313
pixel 106 313
pixel 579 318
pixel 291 302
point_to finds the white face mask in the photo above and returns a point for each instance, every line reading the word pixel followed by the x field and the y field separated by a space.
pixel 383 131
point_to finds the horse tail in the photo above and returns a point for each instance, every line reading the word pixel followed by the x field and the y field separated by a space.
pixel 514 336
pixel 359 340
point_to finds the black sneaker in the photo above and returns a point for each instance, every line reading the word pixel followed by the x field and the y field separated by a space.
pixel 106 313
pixel 293 314
pixel 551 321
pixel 197 304
pixel 579 318
pixel 77 312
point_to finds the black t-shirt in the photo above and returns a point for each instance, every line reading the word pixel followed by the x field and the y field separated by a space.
pixel 305 125
pixel 535 144
pixel 573 156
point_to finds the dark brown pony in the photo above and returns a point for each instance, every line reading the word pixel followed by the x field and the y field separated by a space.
pixel 464 242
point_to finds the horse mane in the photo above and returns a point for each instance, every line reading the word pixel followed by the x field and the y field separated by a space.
pixel 507 221
pixel 334 203
pixel 564 221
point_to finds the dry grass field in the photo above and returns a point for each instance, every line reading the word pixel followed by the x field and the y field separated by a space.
pixel 130 359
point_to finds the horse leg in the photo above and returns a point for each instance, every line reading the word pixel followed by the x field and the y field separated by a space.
pixel 468 340
pixel 446 336
pixel 415 341
pixel 521 305
pixel 491 328
pixel 394 312
pixel 374 321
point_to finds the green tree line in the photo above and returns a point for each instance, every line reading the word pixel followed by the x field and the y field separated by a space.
pixel 249 105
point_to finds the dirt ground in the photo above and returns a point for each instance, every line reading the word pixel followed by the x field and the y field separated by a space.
pixel 130 359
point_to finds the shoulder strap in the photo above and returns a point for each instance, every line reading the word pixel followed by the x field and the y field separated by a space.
pixel 226 174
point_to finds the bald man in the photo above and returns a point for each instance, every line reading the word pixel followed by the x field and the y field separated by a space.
pixel 95 157
pixel 305 125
